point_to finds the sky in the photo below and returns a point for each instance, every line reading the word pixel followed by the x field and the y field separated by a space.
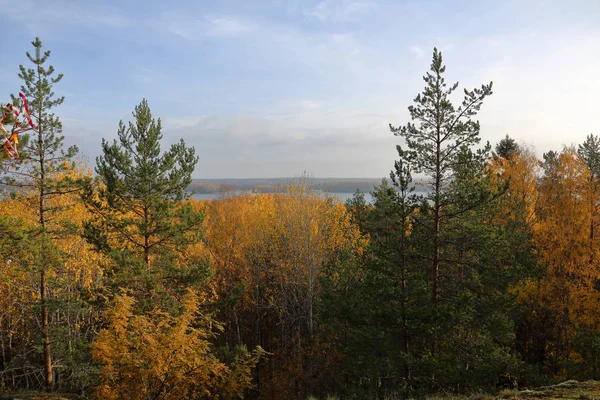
pixel 274 88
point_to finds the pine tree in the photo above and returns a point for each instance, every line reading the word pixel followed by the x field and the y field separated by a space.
pixel 435 141
pixel 141 219
pixel 143 222
pixel 589 151
pixel 402 179
pixel 358 208
pixel 507 148
pixel 41 173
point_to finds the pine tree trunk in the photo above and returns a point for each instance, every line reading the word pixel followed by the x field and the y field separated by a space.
pixel 43 287
pixel 436 226
pixel 146 238
pixel 405 342
pixel 592 200
pixel 436 256
pixel 45 333
pixel 437 205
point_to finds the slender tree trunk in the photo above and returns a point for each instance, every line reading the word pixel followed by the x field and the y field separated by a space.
pixel 405 341
pixel 436 256
pixel 592 201
pixel 436 223
pixel 45 332
pixel 237 325
pixel 258 324
pixel 436 239
pixel 43 286
pixel 146 238
pixel 437 206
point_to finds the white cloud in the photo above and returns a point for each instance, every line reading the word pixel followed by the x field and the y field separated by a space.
pixel 226 26
pixel 321 11
pixel 244 146
pixel 356 10
pixel 41 15
pixel 341 10
pixel 207 26
pixel 320 98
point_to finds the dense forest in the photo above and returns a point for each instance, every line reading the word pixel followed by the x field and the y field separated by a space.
pixel 115 284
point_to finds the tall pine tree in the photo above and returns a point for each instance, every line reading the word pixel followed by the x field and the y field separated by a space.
pixel 42 174
pixel 435 141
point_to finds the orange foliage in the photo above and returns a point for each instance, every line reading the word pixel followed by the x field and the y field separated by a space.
pixel 522 172
pixel 565 293
pixel 288 237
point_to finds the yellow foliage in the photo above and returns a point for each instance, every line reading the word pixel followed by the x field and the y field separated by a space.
pixel 521 171
pixel 82 265
pixel 161 356
pixel 561 230
pixel 284 236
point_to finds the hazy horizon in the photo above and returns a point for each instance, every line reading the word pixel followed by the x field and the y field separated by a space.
pixel 274 88
pixel 291 177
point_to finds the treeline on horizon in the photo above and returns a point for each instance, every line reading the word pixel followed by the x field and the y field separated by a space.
pixel 117 285
pixel 279 185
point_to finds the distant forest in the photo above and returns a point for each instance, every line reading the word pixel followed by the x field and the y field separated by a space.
pixel 276 185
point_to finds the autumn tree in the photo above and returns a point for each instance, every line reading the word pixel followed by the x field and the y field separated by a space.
pixel 434 142
pixel 562 299
pixel 516 168
pixel 589 151
pixel 15 302
pixel 159 356
pixel 270 252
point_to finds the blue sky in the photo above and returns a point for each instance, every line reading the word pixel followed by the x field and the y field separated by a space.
pixel 273 88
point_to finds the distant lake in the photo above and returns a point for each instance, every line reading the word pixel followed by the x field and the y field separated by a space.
pixel 211 196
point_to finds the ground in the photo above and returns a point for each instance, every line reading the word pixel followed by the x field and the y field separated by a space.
pixel 587 390
pixel 35 396
pixel 565 390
